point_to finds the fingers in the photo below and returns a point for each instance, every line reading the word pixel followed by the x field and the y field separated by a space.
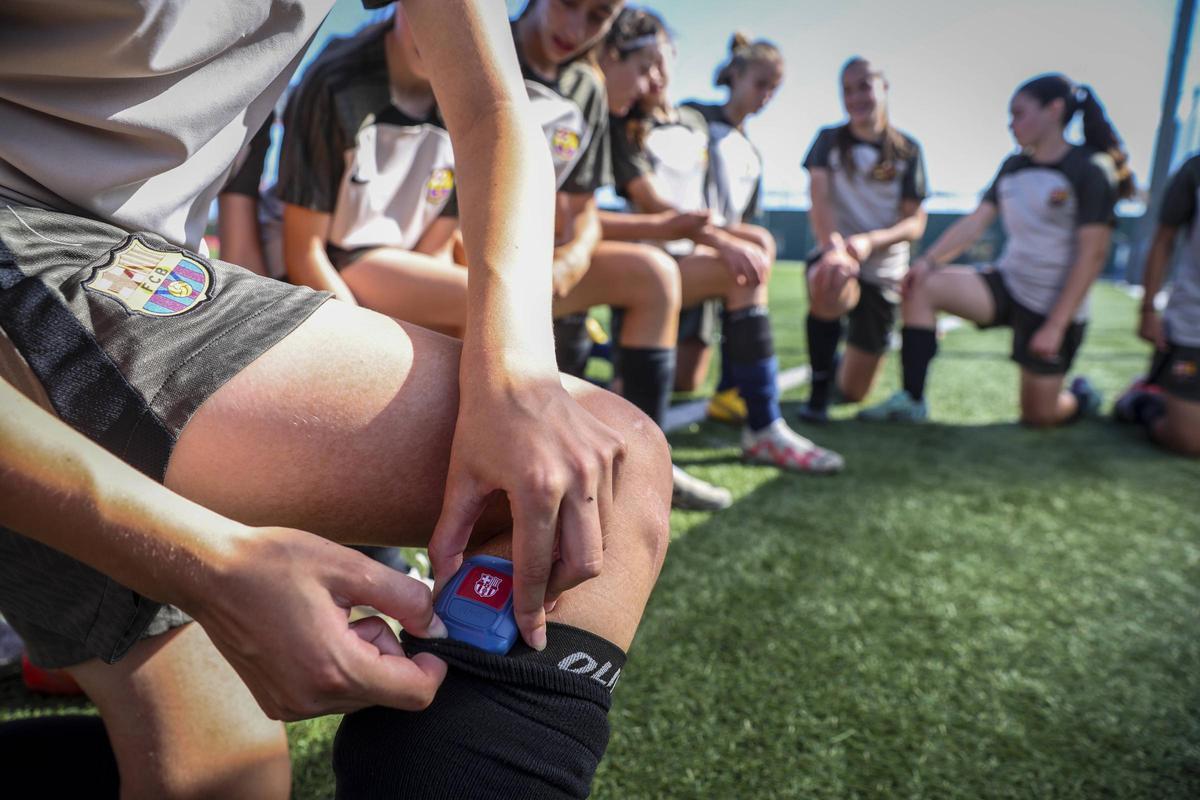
pixel 396 681
pixel 406 599
pixel 461 507
pixel 377 633
pixel 580 545
pixel 535 523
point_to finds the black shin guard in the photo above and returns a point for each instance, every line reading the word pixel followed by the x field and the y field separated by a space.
pixel 648 376
pixel 823 338
pixel 572 344
pixel 526 725
pixel 918 347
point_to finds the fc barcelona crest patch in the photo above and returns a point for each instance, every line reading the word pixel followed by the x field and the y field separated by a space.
pixel 1059 197
pixel 152 282
pixel 1185 370
pixel 439 185
pixel 565 144
pixel 884 172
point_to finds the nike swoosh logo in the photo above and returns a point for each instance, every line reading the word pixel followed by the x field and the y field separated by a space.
pixel 355 178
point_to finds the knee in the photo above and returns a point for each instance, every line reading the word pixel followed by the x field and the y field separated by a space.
pixel 642 480
pixel 659 277
pixel 1038 417
pixel 763 238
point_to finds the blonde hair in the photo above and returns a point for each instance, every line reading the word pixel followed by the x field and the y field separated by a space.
pixel 742 53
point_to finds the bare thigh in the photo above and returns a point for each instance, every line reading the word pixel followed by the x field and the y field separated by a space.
pixel 344 429
pixel 414 287
pixel 957 290
pixel 182 723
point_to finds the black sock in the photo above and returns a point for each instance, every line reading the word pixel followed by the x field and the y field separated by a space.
pixel 823 338
pixel 917 349
pixel 529 724
pixel 648 376
pixel 572 344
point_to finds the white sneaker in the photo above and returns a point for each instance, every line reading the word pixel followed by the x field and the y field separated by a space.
pixel 780 446
pixel 692 494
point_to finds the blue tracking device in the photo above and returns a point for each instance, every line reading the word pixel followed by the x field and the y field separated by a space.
pixel 477 605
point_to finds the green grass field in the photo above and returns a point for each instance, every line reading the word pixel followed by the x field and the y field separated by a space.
pixel 972 610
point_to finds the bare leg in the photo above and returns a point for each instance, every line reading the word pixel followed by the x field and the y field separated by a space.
pixel 182 723
pixel 414 287
pixel 1179 429
pixel 692 359
pixel 958 290
pixel 857 373
pixel 1043 401
pixel 639 278
pixel 705 276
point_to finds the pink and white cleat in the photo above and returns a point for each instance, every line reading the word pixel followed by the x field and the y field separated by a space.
pixel 780 446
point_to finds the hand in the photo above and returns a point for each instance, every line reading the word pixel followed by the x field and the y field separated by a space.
pixel 834 268
pixel 859 247
pixel 684 224
pixel 747 261
pixel 917 271
pixel 526 437
pixel 1150 328
pixel 277 608
pixel 1047 341
pixel 566 274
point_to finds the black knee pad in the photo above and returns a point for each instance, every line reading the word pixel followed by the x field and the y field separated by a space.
pixel 526 725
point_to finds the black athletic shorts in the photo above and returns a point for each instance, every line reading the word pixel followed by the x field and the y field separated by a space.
pixel 1025 323
pixel 699 322
pixel 122 336
pixel 871 321
pixel 1177 371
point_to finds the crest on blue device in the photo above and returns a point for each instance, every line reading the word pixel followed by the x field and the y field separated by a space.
pixel 477 605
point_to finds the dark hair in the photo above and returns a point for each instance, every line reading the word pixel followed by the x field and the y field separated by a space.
pixel 895 146
pixel 742 53
pixel 632 30
pixel 1098 130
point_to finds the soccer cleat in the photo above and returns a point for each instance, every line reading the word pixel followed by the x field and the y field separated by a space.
pixel 1125 409
pixel 728 407
pixel 900 407
pixel 689 493
pixel 780 446
pixel 1089 397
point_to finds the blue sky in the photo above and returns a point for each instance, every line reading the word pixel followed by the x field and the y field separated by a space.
pixel 952 65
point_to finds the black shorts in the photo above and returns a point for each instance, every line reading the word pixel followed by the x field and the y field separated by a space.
pixel 871 321
pixel 1177 371
pixel 1025 323
pixel 699 322
pixel 125 336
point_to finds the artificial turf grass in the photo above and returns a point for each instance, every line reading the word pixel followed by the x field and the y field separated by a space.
pixel 973 609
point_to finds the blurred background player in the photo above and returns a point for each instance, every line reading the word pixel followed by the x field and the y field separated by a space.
pixel 1167 403
pixel 1056 202
pixel 554 41
pixel 868 182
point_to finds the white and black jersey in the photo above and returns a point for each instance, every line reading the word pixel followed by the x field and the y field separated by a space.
pixel 124 103
pixel 736 169
pixel 867 195
pixel 572 110
pixel 672 152
pixel 1041 207
pixel 1179 210
pixel 350 152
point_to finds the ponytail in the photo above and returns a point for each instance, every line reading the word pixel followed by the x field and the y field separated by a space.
pixel 1098 131
pixel 894 148
pixel 744 52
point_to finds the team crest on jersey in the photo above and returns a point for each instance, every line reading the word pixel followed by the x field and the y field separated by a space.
pixel 152 282
pixel 1185 370
pixel 440 185
pixel 487 585
pixel 1058 198
pixel 884 172
pixel 565 144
